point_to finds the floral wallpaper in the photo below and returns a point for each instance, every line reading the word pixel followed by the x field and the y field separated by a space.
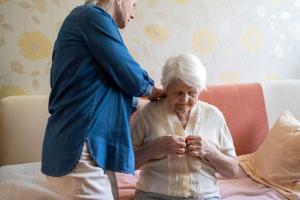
pixel 237 40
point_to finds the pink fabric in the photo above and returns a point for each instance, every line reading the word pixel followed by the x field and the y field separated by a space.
pixel 245 113
pixel 241 187
pixel 126 185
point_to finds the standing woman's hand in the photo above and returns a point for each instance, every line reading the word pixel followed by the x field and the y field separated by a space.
pixel 156 94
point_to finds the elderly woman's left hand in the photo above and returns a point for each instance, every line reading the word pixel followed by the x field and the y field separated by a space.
pixel 197 147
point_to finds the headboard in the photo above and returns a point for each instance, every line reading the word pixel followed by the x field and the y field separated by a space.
pixel 244 110
pixel 22 124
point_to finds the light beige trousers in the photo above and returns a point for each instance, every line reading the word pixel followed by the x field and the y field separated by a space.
pixel 86 181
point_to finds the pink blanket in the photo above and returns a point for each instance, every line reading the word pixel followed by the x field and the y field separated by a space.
pixel 240 188
pixel 243 188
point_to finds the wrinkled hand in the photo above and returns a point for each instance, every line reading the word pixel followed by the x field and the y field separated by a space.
pixel 197 147
pixel 173 145
pixel 156 94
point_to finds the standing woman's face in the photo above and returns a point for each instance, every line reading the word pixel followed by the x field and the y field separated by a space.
pixel 124 12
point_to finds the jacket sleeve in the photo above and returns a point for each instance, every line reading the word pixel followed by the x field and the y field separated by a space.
pixel 104 41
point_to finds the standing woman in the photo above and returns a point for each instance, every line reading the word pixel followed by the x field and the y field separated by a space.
pixel 93 82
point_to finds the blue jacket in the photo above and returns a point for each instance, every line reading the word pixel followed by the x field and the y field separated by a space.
pixel 93 81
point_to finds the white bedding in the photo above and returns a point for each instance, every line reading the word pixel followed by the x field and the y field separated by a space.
pixel 25 181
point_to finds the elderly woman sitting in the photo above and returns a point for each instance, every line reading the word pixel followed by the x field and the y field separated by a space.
pixel 181 142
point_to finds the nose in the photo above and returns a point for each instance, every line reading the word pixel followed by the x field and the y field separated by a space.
pixel 184 98
pixel 132 17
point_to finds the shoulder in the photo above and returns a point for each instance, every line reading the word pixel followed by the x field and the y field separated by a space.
pixel 90 14
pixel 92 10
pixel 211 111
pixel 151 109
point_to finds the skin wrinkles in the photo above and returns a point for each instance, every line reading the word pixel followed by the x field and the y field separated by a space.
pixel 121 10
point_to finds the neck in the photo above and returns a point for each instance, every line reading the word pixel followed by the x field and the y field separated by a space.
pixel 183 117
pixel 107 6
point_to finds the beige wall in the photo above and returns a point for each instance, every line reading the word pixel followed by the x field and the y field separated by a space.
pixel 237 40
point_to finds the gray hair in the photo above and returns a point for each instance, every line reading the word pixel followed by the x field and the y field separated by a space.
pixel 104 4
pixel 90 2
pixel 186 67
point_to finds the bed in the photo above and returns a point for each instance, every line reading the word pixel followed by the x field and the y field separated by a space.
pixel 250 111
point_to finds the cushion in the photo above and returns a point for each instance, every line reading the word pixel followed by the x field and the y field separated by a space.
pixel 276 163
pixel 244 111
pixel 22 125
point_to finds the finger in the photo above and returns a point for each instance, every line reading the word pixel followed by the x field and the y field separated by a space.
pixel 194 142
pixel 180 139
pixel 193 137
pixel 156 93
pixel 180 150
pixel 193 147
pixel 151 98
pixel 193 153
pixel 161 94
pixel 181 145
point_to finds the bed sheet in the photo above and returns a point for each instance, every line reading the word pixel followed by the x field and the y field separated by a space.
pixel 242 187
pixel 25 181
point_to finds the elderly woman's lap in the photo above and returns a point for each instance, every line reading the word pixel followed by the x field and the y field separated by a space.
pixel 141 195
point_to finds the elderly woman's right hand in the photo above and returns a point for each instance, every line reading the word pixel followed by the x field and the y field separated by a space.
pixel 173 145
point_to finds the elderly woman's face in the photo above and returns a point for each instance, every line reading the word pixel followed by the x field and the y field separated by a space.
pixel 180 96
pixel 125 12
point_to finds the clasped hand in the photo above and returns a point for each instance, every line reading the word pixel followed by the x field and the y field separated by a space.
pixel 192 145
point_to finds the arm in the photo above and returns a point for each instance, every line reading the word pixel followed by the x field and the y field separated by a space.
pixel 104 42
pixel 155 93
pixel 224 164
pixel 146 152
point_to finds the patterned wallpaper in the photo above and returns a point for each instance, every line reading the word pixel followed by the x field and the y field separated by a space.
pixel 237 40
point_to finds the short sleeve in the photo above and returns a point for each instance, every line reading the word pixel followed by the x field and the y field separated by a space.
pixel 138 130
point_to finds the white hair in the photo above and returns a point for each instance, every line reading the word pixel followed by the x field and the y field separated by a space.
pixel 186 67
